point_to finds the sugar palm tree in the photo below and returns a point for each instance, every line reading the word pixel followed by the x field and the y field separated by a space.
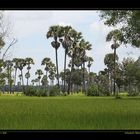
pixel 55 32
pixel 52 73
pixel 44 80
pixel 117 37
pixel 46 61
pixel 66 43
pixel 39 73
pixel 8 65
pixel 83 47
pixel 16 64
pixel 28 62
pixel 33 81
pixel 75 38
pixel 22 64
pixel 90 61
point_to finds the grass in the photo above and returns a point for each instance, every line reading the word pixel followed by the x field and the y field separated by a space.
pixel 70 112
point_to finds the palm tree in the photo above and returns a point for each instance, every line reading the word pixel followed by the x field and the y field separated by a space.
pixel 83 47
pixel 52 73
pixel 8 65
pixel 46 61
pixel 16 64
pixel 27 76
pixel 44 80
pixel 75 37
pixel 20 78
pixel 2 74
pixel 66 43
pixel 28 62
pixel 89 60
pixel 22 64
pixel 117 37
pixel 33 81
pixel 39 73
pixel 55 32
pixel 109 62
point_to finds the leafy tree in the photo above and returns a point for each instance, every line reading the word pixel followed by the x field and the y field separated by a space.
pixel 55 32
pixel 39 73
pixel 8 65
pixel 28 62
pixel 33 81
pixel 44 80
pixel 117 37
pixel 75 37
pixel 90 61
pixel 47 62
pixel 109 62
pixel 52 73
pixel 128 21
pixel 16 65
pixel 66 43
pixel 21 65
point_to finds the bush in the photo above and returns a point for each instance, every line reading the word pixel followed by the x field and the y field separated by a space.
pixel 93 91
pixel 41 92
pixel 103 91
pixel 32 91
pixel 54 91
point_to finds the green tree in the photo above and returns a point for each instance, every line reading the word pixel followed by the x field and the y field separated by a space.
pixel 66 43
pixel 75 37
pixel 90 61
pixel 55 32
pixel 52 73
pixel 117 37
pixel 22 64
pixel 16 65
pixel 109 62
pixel 47 62
pixel 8 65
pixel 128 21
pixel 28 62
pixel 39 73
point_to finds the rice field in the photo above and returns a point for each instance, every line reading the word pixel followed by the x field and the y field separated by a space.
pixel 69 113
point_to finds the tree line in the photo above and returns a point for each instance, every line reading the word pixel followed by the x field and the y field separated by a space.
pixel 76 75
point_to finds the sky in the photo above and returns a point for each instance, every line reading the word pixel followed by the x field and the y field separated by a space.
pixel 30 28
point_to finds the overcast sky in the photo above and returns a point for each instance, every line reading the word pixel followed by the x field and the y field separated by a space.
pixel 30 28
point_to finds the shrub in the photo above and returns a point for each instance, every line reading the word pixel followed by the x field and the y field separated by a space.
pixel 41 92
pixel 54 91
pixel 93 91
pixel 30 91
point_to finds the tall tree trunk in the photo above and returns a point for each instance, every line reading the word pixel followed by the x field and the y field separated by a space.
pixel 129 87
pixel 28 78
pixel 72 67
pixel 57 67
pixel 111 84
pixel 10 82
pixel 27 81
pixel 108 83
pixel 46 81
pixel 114 87
pixel 39 82
pixel 84 77
pixel 15 79
pixel 88 76
pixel 22 81
pixel 88 69
pixel 15 76
pixel 9 79
pixel 65 70
pixel 70 83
